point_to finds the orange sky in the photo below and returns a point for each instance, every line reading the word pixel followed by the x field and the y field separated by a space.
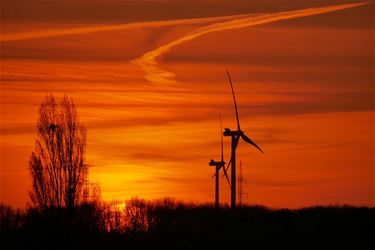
pixel 305 90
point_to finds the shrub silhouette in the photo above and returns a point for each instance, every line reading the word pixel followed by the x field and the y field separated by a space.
pixel 10 218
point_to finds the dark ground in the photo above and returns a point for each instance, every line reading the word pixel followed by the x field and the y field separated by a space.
pixel 171 225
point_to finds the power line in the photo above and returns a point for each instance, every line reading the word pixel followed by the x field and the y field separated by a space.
pixel 322 146
pixel 177 191
pixel 318 195
pixel 310 181
pixel 266 185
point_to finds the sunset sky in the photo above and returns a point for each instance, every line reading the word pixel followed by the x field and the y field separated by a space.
pixel 149 80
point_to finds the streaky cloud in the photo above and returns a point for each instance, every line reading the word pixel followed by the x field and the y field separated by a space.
pixel 154 73
pixel 100 28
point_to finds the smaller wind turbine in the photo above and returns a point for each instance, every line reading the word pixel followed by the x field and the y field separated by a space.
pixel 218 165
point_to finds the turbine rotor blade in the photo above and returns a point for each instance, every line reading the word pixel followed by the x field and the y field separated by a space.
pixel 222 143
pixel 226 176
pixel 230 161
pixel 248 140
pixel 235 103
pixel 226 169
pixel 237 140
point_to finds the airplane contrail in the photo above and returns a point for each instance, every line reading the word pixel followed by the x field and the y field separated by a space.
pixel 100 28
pixel 154 73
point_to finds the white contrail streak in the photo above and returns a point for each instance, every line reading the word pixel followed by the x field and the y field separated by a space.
pixel 100 28
pixel 156 74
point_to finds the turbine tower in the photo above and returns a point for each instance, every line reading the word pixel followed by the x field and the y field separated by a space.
pixel 235 136
pixel 218 165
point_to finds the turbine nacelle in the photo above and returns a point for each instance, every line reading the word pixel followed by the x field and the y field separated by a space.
pixel 216 163
pixel 228 132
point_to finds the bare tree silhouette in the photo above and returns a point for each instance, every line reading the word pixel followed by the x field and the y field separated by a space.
pixel 57 165
pixel 136 214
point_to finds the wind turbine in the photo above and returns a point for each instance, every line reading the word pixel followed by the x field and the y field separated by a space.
pixel 236 135
pixel 218 165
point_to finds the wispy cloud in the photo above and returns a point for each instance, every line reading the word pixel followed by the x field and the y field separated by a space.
pixel 100 28
pixel 154 73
